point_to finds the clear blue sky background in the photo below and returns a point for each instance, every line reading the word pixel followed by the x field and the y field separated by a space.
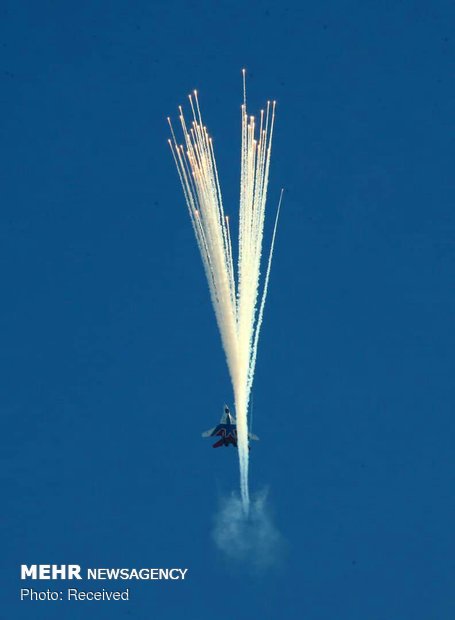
pixel 111 364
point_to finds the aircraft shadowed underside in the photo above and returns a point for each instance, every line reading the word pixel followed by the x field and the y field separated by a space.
pixel 226 430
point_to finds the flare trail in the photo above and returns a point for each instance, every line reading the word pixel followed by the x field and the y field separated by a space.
pixel 235 299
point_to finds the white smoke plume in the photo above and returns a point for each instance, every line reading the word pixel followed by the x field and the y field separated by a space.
pixel 250 539
pixel 234 299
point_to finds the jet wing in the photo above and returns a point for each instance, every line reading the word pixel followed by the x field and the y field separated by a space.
pixel 211 432
pixel 253 436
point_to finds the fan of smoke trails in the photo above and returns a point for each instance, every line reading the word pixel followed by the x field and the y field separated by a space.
pixel 235 306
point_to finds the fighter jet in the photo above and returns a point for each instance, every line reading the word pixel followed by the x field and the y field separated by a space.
pixel 227 430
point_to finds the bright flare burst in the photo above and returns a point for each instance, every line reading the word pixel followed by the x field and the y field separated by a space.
pixel 235 303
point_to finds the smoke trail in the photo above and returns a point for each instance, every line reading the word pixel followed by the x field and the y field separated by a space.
pixel 264 297
pixel 250 539
pixel 234 301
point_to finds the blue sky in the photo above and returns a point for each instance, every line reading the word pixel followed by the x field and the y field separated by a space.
pixel 111 363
